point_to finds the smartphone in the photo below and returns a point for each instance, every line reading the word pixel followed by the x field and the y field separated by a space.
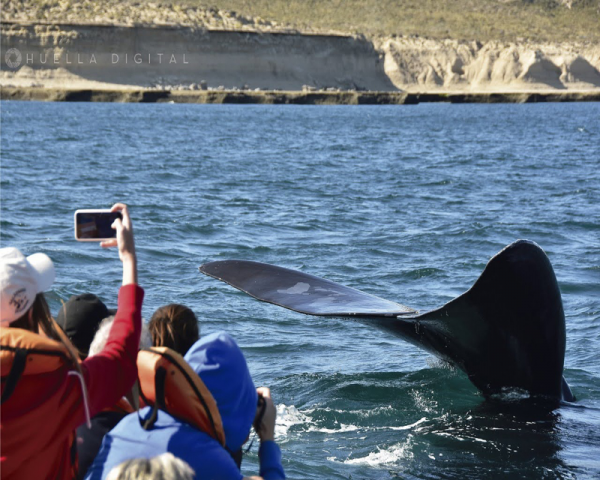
pixel 95 225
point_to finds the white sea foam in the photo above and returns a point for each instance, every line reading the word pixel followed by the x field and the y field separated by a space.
pixel 461 438
pixel 341 429
pixel 424 404
pixel 404 427
pixel 363 413
pixel 386 456
pixel 287 417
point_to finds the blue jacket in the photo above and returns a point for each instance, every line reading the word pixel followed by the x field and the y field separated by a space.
pixel 222 367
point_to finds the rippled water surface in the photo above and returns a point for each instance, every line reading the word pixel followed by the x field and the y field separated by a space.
pixel 407 203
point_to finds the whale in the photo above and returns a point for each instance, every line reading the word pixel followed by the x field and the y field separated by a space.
pixel 507 332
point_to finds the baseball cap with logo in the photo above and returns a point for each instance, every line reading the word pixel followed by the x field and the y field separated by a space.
pixel 21 279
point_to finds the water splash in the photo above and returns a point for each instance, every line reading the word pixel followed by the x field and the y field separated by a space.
pixel 387 456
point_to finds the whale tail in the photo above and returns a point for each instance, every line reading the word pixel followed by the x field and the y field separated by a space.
pixel 506 331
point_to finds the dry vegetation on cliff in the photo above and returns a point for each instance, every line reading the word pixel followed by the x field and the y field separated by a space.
pixel 130 13
pixel 509 20
pixel 505 20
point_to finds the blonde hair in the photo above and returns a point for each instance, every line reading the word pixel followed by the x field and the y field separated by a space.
pixel 163 467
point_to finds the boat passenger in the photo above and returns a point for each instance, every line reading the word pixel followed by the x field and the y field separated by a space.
pixel 163 467
pixel 90 439
pixel 80 318
pixel 234 405
pixel 46 392
pixel 174 326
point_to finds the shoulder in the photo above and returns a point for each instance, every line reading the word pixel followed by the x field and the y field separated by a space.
pixel 209 460
pixel 129 440
pixel 204 454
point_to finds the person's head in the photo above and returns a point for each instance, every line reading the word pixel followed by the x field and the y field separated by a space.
pixel 174 326
pixel 23 281
pixel 99 342
pixel 23 305
pixel 103 332
pixel 163 467
pixel 80 317
pixel 221 365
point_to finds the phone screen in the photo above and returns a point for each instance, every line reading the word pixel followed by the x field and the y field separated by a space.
pixel 95 225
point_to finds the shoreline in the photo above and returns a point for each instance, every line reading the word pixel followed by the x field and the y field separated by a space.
pixel 286 97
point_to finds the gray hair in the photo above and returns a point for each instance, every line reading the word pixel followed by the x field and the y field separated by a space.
pixel 163 467
pixel 103 332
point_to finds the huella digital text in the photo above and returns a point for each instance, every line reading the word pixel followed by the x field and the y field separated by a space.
pixel 115 58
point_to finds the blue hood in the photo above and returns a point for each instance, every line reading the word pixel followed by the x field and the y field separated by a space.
pixel 221 365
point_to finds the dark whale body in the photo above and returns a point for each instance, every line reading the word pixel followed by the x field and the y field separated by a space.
pixel 507 331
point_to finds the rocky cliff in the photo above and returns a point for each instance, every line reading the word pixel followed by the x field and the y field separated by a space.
pixel 89 44
pixel 96 56
pixel 414 64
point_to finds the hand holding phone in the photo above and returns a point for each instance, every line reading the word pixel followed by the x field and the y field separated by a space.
pixel 95 225
pixel 112 228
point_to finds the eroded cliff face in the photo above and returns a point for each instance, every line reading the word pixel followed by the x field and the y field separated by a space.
pixel 414 64
pixel 98 56
pixel 95 56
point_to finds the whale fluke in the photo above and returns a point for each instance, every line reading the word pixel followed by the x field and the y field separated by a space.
pixel 507 331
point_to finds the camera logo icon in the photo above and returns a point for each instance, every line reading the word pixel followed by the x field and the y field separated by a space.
pixel 13 58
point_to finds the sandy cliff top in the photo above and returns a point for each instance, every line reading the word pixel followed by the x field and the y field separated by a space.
pixel 134 13
pixel 483 20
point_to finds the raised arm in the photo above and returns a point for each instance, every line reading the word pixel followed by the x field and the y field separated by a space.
pixel 112 372
pixel 125 243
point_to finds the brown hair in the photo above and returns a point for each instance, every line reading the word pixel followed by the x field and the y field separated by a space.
pixel 42 318
pixel 174 326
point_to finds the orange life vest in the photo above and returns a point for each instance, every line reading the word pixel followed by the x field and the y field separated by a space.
pixel 40 408
pixel 168 383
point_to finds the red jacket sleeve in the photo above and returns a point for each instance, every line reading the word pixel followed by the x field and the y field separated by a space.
pixel 111 373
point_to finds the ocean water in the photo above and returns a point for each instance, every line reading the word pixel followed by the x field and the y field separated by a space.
pixel 407 203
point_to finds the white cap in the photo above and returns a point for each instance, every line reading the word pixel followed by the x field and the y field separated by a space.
pixel 21 279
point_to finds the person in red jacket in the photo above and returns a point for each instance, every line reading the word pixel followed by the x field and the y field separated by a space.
pixel 46 392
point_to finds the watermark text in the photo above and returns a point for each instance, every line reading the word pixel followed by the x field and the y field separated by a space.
pixel 14 58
